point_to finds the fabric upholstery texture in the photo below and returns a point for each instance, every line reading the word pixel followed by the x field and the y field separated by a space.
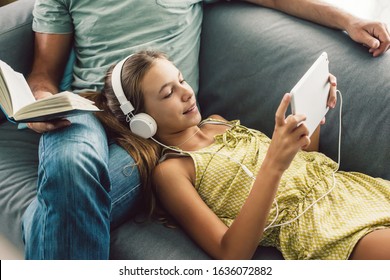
pixel 18 168
pixel 262 54
pixel 250 56
pixel 17 53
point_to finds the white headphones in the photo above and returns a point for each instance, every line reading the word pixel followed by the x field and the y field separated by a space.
pixel 140 124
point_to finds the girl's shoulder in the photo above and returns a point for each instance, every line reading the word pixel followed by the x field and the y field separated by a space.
pixel 213 118
pixel 217 119
pixel 174 167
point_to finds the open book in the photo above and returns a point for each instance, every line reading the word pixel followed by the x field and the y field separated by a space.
pixel 19 104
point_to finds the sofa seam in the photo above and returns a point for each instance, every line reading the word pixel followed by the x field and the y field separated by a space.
pixel 15 28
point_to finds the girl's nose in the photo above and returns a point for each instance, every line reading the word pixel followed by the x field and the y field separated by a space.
pixel 187 94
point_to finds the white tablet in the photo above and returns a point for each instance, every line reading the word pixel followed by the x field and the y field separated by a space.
pixel 310 94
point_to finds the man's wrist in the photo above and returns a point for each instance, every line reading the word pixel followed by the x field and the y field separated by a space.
pixel 41 88
pixel 346 21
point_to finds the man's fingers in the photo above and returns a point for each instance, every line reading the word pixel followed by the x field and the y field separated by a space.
pixel 381 50
pixel 380 39
pixel 41 127
pixel 372 42
pixel 280 115
pixel 42 94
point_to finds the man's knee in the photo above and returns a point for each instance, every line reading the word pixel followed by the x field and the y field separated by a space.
pixel 76 155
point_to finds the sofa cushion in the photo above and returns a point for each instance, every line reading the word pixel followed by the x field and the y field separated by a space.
pixel 151 240
pixel 18 177
pixel 16 36
pixel 251 56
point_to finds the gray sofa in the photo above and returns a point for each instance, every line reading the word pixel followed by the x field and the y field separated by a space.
pixel 250 56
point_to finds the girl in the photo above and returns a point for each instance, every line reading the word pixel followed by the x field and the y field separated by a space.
pixel 232 188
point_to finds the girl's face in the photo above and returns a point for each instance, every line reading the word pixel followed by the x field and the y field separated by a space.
pixel 168 98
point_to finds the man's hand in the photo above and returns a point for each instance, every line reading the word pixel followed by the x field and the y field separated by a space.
pixel 51 52
pixel 41 127
pixel 374 35
pixel 42 94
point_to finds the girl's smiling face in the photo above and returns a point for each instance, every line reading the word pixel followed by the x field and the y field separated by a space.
pixel 168 98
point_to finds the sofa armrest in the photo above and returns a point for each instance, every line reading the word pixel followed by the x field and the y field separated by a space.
pixel 250 56
pixel 16 36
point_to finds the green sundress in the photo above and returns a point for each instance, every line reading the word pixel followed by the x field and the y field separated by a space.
pixel 329 229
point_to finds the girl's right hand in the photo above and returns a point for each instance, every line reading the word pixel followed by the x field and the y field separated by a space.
pixel 290 135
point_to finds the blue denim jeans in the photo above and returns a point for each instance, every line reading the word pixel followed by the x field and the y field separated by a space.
pixel 86 185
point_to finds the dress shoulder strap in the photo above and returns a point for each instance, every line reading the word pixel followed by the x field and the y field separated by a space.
pixel 166 153
pixel 218 122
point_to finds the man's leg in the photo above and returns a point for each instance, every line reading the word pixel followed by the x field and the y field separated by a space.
pixel 125 185
pixel 69 218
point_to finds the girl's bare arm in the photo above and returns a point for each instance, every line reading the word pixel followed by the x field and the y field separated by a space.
pixel 174 187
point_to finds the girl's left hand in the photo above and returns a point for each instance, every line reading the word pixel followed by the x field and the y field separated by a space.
pixel 332 98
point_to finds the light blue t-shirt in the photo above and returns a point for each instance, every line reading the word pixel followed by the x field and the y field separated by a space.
pixel 107 31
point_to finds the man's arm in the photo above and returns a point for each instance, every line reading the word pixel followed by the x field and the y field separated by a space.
pixel 50 57
pixel 375 35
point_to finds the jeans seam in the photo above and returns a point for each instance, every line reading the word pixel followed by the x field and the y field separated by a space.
pixel 44 180
pixel 125 194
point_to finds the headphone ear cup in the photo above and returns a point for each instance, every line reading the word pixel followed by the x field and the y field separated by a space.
pixel 143 125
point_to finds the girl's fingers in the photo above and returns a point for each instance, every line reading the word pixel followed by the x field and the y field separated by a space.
pixel 304 141
pixel 280 115
pixel 294 121
pixel 332 80
pixel 332 99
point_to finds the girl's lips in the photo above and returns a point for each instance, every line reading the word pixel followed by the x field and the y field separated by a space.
pixel 191 109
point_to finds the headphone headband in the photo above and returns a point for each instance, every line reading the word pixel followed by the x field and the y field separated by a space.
pixel 116 82
pixel 141 124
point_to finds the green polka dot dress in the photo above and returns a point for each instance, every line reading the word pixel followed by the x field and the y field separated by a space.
pixel 328 229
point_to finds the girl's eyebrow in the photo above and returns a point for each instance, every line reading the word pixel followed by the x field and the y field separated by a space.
pixel 166 84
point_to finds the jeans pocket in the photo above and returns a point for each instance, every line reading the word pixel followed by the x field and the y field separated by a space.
pixel 176 3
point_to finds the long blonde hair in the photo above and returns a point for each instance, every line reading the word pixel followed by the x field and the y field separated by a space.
pixel 145 152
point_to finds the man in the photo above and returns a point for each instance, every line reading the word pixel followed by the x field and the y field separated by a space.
pixel 82 184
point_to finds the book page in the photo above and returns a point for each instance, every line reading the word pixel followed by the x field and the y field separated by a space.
pixel 59 105
pixel 5 102
pixel 18 88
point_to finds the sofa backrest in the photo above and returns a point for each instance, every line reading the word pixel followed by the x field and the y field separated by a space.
pixel 16 36
pixel 250 56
